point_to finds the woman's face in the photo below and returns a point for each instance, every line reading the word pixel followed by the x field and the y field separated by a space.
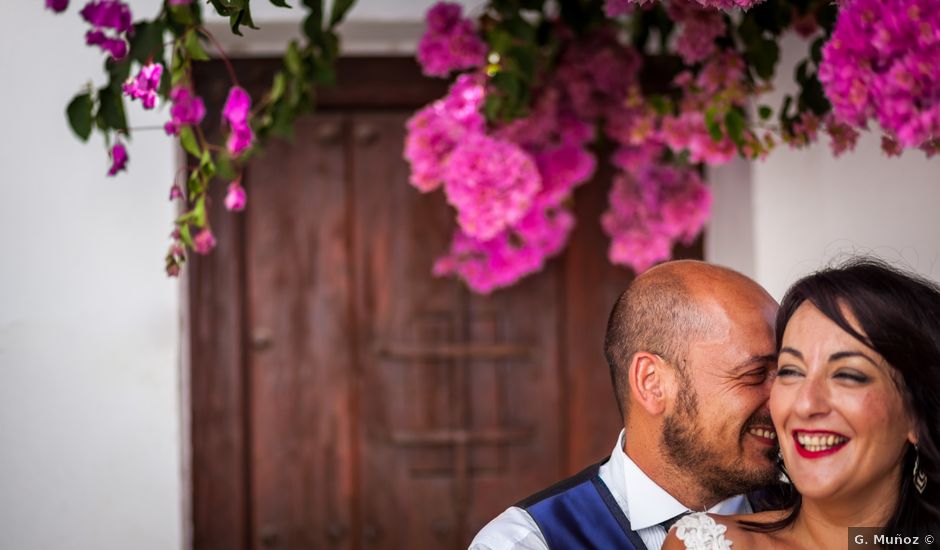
pixel 840 418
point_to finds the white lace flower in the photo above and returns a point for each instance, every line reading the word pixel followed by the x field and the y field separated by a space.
pixel 700 532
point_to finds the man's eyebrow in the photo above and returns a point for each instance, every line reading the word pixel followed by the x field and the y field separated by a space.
pixel 755 360
pixel 792 351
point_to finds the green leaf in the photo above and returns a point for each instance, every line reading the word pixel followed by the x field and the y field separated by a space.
pixel 340 8
pixel 79 113
pixel 714 127
pixel 240 16
pixel 764 112
pixel 118 73
pixel 206 166
pixel 816 49
pixel 313 24
pixel 111 109
pixel 221 8
pixel 763 55
pixel 194 46
pixel 293 61
pixel 278 86
pixel 147 41
pixel 734 122
pixel 224 165
pixel 185 235
pixel 189 143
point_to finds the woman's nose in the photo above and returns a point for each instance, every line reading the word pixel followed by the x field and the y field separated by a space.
pixel 812 398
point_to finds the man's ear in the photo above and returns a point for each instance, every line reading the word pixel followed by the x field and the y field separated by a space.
pixel 648 382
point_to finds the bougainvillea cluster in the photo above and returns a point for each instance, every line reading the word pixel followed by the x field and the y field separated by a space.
pixel 881 65
pixel 537 92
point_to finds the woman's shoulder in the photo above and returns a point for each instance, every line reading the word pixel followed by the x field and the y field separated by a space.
pixel 701 531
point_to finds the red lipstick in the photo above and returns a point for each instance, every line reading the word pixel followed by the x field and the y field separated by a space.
pixel 807 453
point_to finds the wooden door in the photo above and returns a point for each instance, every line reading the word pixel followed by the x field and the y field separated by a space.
pixel 342 396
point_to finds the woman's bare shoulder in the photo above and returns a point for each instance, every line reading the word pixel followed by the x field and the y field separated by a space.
pixel 738 531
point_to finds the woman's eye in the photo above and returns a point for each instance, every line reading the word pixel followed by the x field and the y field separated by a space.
pixel 852 375
pixel 786 371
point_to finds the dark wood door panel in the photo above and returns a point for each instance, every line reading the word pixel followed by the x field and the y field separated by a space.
pixel 460 393
pixel 298 271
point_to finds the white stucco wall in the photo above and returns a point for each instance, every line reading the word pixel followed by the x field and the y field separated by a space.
pixel 800 210
pixel 90 407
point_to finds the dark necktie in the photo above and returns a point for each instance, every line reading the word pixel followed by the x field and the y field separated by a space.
pixel 669 522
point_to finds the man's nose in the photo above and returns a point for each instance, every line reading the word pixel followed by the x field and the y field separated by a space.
pixel 812 398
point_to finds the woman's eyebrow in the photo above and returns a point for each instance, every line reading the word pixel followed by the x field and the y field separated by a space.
pixel 792 351
pixel 844 354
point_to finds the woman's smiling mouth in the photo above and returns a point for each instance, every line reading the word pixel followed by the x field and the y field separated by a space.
pixel 817 444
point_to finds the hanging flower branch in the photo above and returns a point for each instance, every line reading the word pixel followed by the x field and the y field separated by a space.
pixel 665 86
pixel 164 73
pixel 542 81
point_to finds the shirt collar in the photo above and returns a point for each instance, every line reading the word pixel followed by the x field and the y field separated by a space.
pixel 648 504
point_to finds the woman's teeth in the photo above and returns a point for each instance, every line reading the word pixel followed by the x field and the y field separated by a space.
pixel 761 432
pixel 816 443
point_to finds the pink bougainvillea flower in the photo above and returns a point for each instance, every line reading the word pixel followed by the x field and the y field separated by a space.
pixel 434 131
pixel 119 159
pixel 613 8
pixel 57 6
pixel 108 14
pixel 562 169
pixel 236 111
pixel 689 132
pixel 651 210
pixel 491 183
pixel 187 109
pixel 117 47
pixel 699 27
pixel 450 42
pixel 180 2
pixel 204 241
pixel 235 198
pixel 881 64
pixel 891 146
pixel 145 85
pixel 842 136
pixel 515 253
pixel 176 192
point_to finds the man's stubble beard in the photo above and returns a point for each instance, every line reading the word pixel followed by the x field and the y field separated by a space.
pixel 687 451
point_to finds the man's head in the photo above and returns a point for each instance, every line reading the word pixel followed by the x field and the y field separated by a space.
pixel 691 352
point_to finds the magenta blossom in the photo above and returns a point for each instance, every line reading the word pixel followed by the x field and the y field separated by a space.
pixel 491 183
pixel 144 87
pixel 881 64
pixel 188 110
pixel 613 8
pixel 176 192
pixel 108 14
pixel 204 241
pixel 57 6
pixel 117 47
pixel 180 2
pixel 236 111
pixel 450 42
pixel 118 159
pixel 235 198
pixel 519 251
pixel 435 130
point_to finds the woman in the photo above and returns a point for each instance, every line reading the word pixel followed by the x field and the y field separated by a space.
pixel 856 406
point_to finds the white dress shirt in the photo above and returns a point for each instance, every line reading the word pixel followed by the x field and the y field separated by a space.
pixel 645 504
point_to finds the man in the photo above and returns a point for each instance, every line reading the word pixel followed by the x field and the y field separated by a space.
pixel 691 352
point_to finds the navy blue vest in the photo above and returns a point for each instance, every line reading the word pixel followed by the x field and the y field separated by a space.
pixel 580 513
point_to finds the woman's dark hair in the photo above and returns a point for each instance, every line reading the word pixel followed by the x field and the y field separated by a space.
pixel 899 317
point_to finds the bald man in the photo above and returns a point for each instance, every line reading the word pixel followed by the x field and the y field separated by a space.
pixel 691 353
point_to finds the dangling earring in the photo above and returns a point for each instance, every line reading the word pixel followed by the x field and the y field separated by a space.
pixel 920 478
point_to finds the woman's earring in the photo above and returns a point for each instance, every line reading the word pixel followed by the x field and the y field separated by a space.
pixel 920 478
